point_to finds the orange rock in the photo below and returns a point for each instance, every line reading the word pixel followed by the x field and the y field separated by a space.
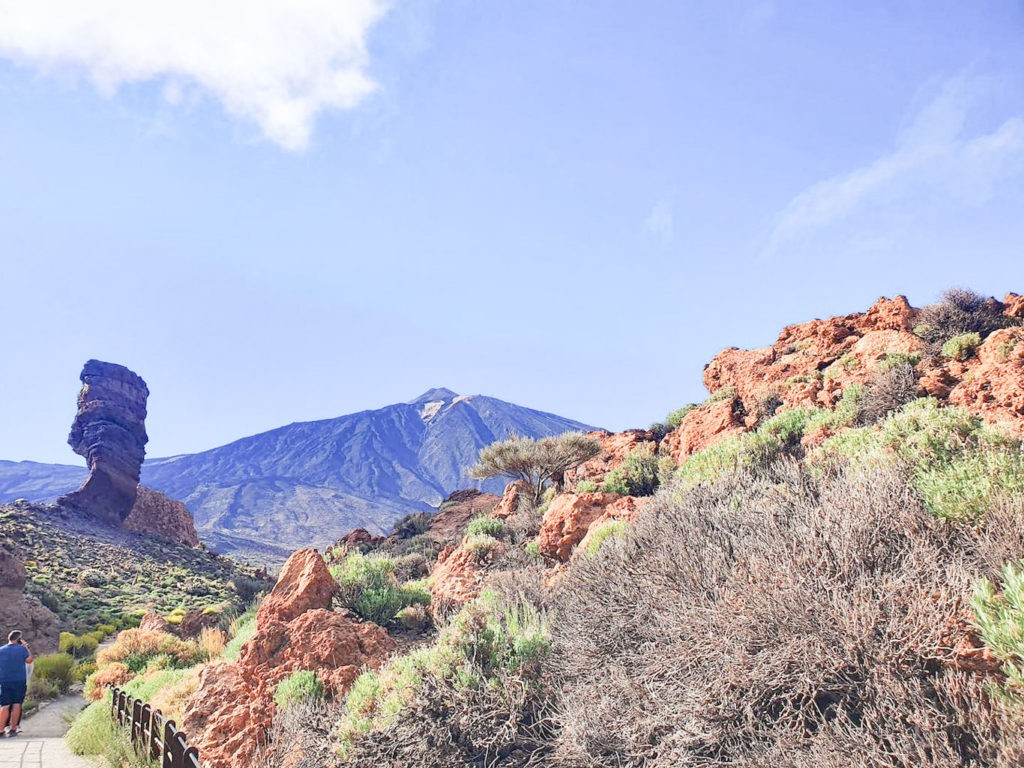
pixel 154 622
pixel 991 384
pixel 515 492
pixel 568 519
pixel 964 649
pixel 703 427
pixel 1014 305
pixel 615 447
pixel 158 515
pixel 225 720
pixel 333 645
pixel 456 578
pixel 304 584
pixel 626 508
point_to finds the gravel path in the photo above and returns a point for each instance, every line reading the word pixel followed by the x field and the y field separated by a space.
pixel 41 743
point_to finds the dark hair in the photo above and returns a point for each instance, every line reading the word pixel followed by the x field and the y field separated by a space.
pixel 14 637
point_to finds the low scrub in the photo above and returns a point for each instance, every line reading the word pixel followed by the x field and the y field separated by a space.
pixel 794 621
pixel 369 587
pixel 135 648
pixel 299 687
pixel 637 475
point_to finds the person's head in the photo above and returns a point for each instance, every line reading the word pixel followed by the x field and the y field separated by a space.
pixel 15 637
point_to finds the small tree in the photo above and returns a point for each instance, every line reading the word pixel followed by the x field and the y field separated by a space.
pixel 538 462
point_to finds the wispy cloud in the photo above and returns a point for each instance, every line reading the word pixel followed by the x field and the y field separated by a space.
pixel 933 154
pixel 278 63
pixel 659 223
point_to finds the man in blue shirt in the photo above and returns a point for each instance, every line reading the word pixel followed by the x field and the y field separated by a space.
pixel 13 681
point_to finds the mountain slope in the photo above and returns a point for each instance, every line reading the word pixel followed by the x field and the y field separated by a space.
pixel 306 484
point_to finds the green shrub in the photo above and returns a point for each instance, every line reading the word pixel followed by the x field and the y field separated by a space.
pixel 242 630
pixel 482 546
pixel 532 549
pixel 637 475
pixel 485 525
pixel 999 616
pixel 961 347
pixel 486 642
pixel 537 462
pixel 299 687
pixel 675 418
pixel 586 486
pixel 69 642
pixel 83 670
pixel 55 668
pixel 894 359
pixel 369 587
pixel 959 465
pixel 598 536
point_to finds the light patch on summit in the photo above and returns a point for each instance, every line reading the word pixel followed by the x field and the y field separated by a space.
pixel 462 399
pixel 430 410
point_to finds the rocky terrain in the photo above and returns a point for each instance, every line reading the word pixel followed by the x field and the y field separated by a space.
pixel 309 483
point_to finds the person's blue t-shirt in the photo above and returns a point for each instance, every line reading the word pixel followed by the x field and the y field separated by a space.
pixel 12 663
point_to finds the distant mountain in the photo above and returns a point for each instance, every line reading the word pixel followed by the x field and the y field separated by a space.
pixel 308 483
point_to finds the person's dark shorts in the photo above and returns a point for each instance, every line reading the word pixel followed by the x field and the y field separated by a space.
pixel 12 693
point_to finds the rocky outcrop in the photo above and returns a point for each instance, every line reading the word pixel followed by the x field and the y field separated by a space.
pixel 109 431
pixel 304 584
pixel 157 515
pixel 991 384
pixel 17 611
pixel 515 493
pixel 449 523
pixel 615 447
pixel 569 518
pixel 228 716
pixel 704 426
pixel 456 578
pixel 154 622
pixel 625 509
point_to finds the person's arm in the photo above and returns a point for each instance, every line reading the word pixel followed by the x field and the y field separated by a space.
pixel 29 659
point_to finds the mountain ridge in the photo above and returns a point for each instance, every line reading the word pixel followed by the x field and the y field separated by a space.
pixel 310 482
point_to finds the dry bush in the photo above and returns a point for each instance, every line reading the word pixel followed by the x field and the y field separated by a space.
pixel 886 391
pixel 793 623
pixel 135 647
pixel 507 723
pixel 959 311
pixel 212 642
pixel 302 736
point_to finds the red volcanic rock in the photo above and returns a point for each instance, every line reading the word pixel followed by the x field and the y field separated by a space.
pixel 224 720
pixel 965 649
pixel 333 645
pixel 626 509
pixel 515 492
pixel 109 431
pixel 791 369
pixel 991 385
pixel 154 622
pixel 17 611
pixel 614 449
pixel 1013 305
pixel 304 584
pixel 159 515
pixel 456 578
pixel 568 519
pixel 195 621
pixel 449 523
pixel 359 538
pixel 703 427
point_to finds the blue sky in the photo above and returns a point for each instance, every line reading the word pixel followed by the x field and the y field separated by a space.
pixel 278 212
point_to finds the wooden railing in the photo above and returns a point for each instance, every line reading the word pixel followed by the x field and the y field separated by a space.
pixel 151 733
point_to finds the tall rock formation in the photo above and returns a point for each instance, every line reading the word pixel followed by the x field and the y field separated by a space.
pixel 110 432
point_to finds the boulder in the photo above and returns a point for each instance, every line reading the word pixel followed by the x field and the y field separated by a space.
pixel 18 611
pixel 156 514
pixel 704 426
pixel 448 524
pixel 195 621
pixel 109 431
pixel 225 720
pixel 456 578
pixel 154 622
pixel 568 519
pixel 515 492
pixel 333 645
pixel 991 384
pixel 304 584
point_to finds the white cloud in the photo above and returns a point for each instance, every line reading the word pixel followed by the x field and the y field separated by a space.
pixel 278 63
pixel 932 154
pixel 660 223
